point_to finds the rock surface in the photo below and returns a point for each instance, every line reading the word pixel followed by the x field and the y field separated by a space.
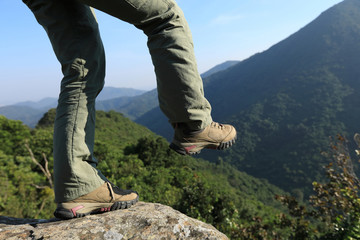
pixel 142 221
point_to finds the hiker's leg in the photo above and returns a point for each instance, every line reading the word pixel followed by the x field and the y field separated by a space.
pixel 73 32
pixel 180 87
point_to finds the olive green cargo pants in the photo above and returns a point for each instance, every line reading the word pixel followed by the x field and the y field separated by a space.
pixel 74 34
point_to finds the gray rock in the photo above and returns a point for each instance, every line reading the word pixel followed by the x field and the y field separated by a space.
pixel 142 221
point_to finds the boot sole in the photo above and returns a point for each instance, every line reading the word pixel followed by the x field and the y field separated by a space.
pixel 195 148
pixel 92 208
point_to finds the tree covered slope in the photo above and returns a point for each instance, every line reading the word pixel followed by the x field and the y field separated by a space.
pixel 131 156
pixel 286 101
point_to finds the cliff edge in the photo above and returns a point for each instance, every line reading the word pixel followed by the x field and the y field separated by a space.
pixel 142 221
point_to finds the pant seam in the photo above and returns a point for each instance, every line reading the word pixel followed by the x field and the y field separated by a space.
pixel 82 73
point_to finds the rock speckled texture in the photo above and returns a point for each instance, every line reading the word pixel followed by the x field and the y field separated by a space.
pixel 142 221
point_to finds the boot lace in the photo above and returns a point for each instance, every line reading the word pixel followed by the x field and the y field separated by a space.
pixel 216 125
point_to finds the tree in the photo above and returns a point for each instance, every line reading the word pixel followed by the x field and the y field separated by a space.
pixel 334 211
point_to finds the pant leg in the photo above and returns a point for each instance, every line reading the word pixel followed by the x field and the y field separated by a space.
pixel 180 87
pixel 74 34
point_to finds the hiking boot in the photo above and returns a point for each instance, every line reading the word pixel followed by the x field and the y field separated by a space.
pixel 106 198
pixel 214 136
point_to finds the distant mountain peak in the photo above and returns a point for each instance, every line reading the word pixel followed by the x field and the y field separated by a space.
pixel 114 92
pixel 220 67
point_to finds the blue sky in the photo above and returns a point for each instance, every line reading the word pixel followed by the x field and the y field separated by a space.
pixel 222 30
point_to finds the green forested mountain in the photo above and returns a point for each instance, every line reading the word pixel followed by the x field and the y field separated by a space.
pixel 286 101
pixel 26 114
pixel 292 97
pixel 131 156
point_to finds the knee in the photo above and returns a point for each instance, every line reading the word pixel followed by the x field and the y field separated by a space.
pixel 81 79
pixel 162 17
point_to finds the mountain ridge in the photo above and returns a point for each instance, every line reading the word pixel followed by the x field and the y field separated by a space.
pixel 30 112
pixel 286 101
pixel 298 89
pixel 220 67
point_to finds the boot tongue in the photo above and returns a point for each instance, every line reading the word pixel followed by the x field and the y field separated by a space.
pixel 116 190
pixel 183 127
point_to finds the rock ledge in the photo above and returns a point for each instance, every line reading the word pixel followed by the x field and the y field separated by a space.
pixel 142 221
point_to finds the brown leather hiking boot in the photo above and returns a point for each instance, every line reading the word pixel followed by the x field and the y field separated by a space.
pixel 214 136
pixel 106 198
